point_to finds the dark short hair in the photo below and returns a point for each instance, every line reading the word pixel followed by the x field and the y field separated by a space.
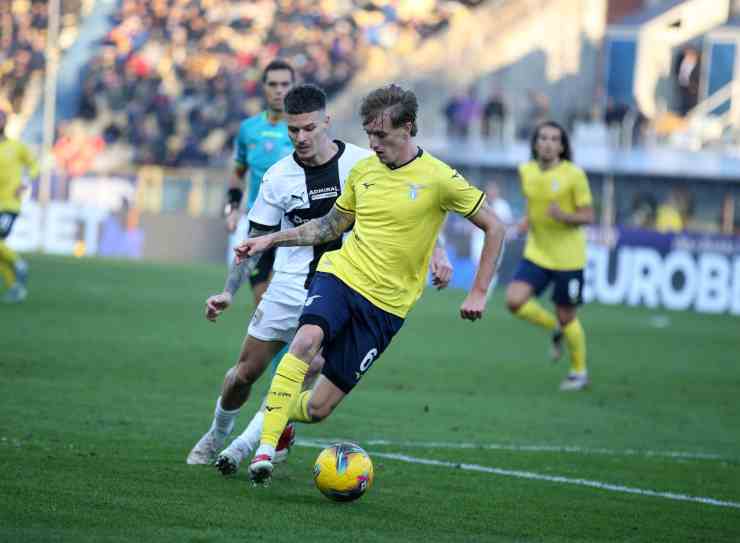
pixel 565 154
pixel 278 64
pixel 305 99
pixel 400 103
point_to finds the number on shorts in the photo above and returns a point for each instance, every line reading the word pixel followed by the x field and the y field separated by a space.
pixel 574 289
pixel 368 360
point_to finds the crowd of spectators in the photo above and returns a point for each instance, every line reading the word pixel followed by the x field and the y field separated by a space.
pixel 175 77
pixel 501 119
pixel 23 27
pixel 467 115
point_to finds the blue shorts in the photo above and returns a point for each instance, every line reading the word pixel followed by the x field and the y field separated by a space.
pixel 567 284
pixel 356 332
pixel 7 219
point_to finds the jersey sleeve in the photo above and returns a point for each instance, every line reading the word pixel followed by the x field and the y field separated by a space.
pixel 457 195
pixel 347 200
pixel 581 190
pixel 267 209
pixel 240 147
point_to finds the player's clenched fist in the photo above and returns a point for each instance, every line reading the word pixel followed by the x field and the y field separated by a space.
pixel 217 304
pixel 441 269
pixel 251 246
pixel 473 306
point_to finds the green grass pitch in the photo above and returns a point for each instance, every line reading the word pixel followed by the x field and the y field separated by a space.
pixel 109 373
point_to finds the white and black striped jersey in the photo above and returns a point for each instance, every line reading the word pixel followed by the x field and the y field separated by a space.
pixel 293 193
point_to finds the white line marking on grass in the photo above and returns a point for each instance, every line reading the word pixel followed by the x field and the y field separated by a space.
pixel 559 479
pixel 541 477
pixel 532 448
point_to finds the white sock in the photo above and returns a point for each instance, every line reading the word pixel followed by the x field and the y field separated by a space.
pixel 223 421
pixel 269 450
pixel 250 437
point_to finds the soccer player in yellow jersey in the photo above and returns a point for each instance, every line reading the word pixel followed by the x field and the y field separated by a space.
pixel 14 157
pixel 558 205
pixel 361 293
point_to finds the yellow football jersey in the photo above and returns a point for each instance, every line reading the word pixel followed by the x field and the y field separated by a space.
pixel 398 215
pixel 668 219
pixel 14 156
pixel 552 244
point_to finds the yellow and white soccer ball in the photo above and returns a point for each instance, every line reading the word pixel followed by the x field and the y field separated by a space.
pixel 343 472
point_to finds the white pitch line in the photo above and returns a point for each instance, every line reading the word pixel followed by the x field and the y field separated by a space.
pixel 559 479
pixel 534 448
pixel 541 477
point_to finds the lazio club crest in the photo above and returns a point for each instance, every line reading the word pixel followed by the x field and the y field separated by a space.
pixel 414 189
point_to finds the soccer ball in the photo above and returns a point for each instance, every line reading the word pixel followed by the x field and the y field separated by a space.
pixel 343 472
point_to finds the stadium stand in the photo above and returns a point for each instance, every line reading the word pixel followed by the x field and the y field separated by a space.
pixel 170 80
pixel 22 48
pixel 174 77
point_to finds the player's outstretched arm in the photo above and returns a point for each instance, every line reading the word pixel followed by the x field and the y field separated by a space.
pixel 317 231
pixel 238 273
pixel 490 258
pixel 240 270
pixel 314 232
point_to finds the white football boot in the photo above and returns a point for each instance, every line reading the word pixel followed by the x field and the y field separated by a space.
pixel 575 382
pixel 206 449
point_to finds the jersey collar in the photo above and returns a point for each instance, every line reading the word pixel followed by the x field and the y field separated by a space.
pixel 332 160
pixel 417 155
pixel 266 118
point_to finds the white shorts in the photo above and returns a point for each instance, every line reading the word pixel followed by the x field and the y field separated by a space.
pixel 276 318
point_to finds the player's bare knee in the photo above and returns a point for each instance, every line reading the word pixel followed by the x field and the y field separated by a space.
pixel 307 342
pixel 513 303
pixel 565 316
pixel 517 294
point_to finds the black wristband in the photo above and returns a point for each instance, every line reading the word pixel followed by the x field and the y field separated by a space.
pixel 234 196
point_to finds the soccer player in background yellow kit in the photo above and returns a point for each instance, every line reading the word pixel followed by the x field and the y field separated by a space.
pixel 361 293
pixel 14 157
pixel 559 203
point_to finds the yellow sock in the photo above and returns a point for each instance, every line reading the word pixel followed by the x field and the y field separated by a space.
pixel 536 314
pixel 8 258
pixel 299 409
pixel 7 272
pixel 284 391
pixel 7 254
pixel 575 337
